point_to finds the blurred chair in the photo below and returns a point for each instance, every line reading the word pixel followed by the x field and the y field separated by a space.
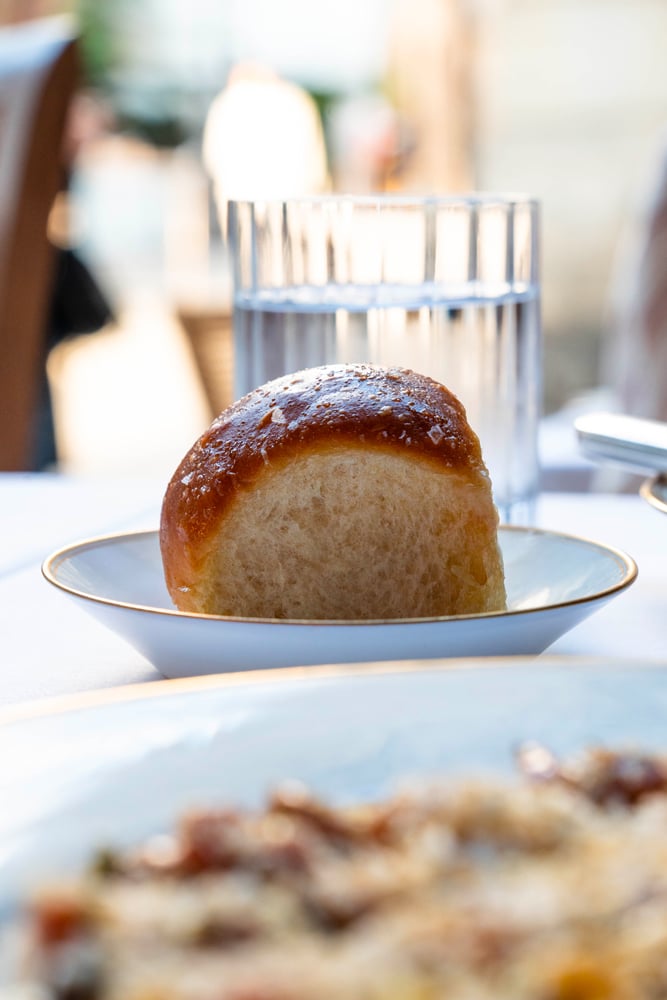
pixel 38 77
pixel 209 334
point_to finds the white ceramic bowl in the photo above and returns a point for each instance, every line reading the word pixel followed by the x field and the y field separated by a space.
pixel 553 581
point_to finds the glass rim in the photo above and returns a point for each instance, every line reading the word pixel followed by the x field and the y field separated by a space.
pixel 397 200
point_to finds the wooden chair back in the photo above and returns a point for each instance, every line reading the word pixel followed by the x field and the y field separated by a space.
pixel 209 334
pixel 38 77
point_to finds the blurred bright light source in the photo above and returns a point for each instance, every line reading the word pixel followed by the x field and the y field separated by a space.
pixel 264 138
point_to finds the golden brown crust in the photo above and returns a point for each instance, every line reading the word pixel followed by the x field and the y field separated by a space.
pixel 333 404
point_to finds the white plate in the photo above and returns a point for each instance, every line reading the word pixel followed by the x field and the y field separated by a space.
pixel 553 582
pixel 654 491
pixel 109 768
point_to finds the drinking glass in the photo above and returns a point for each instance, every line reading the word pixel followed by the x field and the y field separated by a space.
pixel 446 286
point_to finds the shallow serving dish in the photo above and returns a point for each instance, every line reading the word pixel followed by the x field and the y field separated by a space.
pixel 654 491
pixel 111 767
pixel 554 581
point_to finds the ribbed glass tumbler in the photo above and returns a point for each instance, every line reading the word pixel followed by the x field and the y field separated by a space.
pixel 447 286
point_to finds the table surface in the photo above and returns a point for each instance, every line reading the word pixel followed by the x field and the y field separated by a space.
pixel 52 647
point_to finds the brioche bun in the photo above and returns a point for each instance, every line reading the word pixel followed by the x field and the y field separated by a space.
pixel 341 492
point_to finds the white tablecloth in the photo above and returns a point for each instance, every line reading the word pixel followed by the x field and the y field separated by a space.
pixel 51 646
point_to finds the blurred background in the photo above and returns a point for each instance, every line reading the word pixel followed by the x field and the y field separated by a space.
pixel 185 102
